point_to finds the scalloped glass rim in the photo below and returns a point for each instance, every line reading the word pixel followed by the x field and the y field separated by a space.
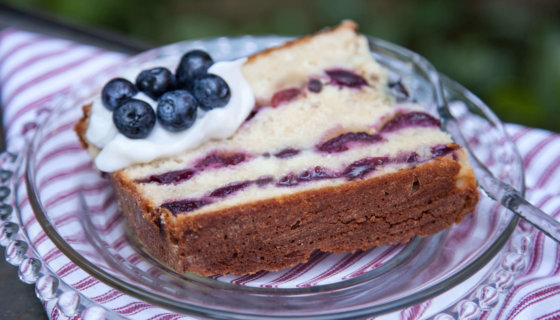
pixel 124 286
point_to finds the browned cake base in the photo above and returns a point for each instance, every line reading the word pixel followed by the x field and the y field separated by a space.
pixel 277 233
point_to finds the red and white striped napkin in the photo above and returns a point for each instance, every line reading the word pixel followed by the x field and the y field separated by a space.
pixel 34 69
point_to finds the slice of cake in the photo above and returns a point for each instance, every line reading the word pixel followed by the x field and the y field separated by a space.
pixel 320 156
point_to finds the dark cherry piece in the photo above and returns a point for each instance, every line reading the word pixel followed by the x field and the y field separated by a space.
pixel 410 119
pixel 317 173
pixel 289 180
pixel 216 160
pixel 340 143
pixel 287 153
pixel 361 168
pixel 213 160
pixel 171 177
pixel 263 181
pixel 185 205
pixel 229 189
pixel 407 157
pixel 346 78
pixel 283 96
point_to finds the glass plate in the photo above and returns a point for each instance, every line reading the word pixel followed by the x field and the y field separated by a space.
pixel 75 209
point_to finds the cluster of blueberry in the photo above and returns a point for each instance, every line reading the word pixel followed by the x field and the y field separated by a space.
pixel 178 96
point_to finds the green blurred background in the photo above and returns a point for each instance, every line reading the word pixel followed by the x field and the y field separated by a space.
pixel 507 52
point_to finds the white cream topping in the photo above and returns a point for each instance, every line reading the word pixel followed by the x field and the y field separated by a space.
pixel 118 151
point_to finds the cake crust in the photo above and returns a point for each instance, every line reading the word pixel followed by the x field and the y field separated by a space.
pixel 81 126
pixel 344 25
pixel 277 233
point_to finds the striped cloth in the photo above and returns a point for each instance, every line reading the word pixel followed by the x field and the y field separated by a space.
pixel 34 69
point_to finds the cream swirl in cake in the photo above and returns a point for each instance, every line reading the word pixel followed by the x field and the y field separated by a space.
pixel 326 160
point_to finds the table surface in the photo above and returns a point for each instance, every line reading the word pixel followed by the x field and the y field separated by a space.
pixel 17 299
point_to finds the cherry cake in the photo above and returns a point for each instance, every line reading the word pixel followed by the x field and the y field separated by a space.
pixel 326 160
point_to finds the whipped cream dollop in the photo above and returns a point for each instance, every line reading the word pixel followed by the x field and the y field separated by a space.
pixel 118 151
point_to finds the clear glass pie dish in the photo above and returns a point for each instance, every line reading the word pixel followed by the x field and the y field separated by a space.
pixel 66 232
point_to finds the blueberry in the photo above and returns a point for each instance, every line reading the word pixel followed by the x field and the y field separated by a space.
pixel 176 110
pixel 211 91
pixel 155 82
pixel 135 119
pixel 116 92
pixel 193 64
